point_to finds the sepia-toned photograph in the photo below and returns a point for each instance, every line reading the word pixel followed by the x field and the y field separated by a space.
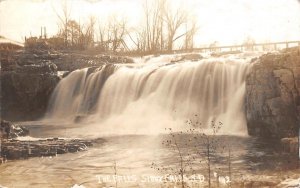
pixel 149 93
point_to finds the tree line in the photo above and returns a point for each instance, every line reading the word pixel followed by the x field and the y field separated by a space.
pixel 163 25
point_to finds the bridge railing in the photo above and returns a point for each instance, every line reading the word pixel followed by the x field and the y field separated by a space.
pixel 242 47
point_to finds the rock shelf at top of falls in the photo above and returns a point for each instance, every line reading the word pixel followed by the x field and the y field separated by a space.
pixel 28 77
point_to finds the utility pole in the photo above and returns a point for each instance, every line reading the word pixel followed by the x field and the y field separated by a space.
pixel 45 34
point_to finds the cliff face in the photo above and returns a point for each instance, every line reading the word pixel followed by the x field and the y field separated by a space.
pixel 29 77
pixel 273 95
pixel 25 92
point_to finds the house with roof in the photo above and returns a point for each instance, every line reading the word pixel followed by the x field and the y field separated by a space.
pixel 8 46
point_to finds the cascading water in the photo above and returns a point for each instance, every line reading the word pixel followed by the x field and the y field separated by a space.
pixel 149 97
pixel 78 92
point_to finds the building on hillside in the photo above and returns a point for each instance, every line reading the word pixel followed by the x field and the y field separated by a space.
pixel 7 46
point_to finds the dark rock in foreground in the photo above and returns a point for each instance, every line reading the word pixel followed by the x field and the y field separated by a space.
pixel 290 145
pixel 13 149
pixel 8 130
pixel 273 95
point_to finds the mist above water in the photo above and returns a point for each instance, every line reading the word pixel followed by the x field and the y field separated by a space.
pixel 154 94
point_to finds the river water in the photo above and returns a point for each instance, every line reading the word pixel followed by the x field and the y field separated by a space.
pixel 134 161
pixel 137 109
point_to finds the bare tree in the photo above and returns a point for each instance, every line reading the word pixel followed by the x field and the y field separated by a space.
pixel 185 160
pixel 102 29
pixel 73 32
pixel 64 18
pixel 92 22
pixel 138 38
pixel 229 166
pixel 163 24
pixel 88 32
pixel 174 18
pixel 117 30
pixel 154 24
pixel 191 30
pixel 209 141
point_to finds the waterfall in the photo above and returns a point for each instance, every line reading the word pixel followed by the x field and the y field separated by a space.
pixel 155 95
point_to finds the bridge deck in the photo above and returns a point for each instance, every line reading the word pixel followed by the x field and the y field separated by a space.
pixel 245 46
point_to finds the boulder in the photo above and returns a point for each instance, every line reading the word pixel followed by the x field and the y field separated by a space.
pixel 273 95
pixel 13 149
pixel 290 145
pixel 9 130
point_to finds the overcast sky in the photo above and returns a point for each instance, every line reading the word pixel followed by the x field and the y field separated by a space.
pixel 226 21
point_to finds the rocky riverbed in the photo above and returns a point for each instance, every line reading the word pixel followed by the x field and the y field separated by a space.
pixel 13 149
pixel 16 143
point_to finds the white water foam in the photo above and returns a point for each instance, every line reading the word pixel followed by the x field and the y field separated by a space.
pixel 149 96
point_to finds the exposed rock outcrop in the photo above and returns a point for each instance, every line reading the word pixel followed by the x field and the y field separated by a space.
pixel 71 62
pixel 41 68
pixel 9 130
pixel 25 95
pixel 13 149
pixel 273 95
pixel 290 145
pixel 15 146
pixel 63 60
pixel 30 76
